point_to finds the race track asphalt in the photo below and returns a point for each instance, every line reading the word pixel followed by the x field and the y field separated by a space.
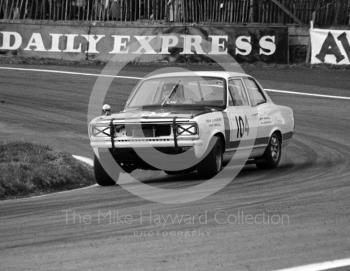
pixel 62 231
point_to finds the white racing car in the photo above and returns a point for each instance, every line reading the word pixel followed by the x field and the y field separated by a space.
pixel 211 116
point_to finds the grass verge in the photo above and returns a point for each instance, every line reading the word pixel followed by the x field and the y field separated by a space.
pixel 30 169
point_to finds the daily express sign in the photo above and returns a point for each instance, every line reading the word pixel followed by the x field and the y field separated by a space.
pixel 248 46
pixel 192 44
pixel 330 46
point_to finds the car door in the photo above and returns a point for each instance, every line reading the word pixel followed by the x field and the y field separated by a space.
pixel 259 104
pixel 243 121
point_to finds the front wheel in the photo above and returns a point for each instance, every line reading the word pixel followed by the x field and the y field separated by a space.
pixel 101 176
pixel 180 172
pixel 272 155
pixel 213 163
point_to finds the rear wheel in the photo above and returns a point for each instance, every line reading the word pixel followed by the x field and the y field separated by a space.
pixel 213 163
pixel 272 155
pixel 101 176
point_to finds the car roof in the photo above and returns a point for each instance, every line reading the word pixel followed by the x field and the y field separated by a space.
pixel 221 74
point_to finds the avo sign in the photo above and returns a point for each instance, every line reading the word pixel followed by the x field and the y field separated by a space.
pixel 330 46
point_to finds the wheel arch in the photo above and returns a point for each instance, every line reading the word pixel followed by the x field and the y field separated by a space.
pixel 221 136
pixel 277 131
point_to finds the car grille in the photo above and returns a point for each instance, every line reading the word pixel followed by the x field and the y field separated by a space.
pixel 141 140
pixel 147 130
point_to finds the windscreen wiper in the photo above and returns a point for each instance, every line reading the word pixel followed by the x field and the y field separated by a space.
pixel 172 92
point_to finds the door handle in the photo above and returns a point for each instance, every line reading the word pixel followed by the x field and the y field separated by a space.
pixel 255 115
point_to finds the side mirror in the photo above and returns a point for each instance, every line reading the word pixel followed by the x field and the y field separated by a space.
pixel 106 110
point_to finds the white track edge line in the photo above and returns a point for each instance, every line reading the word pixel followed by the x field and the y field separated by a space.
pixel 308 94
pixel 85 160
pixel 320 266
pixel 71 73
pixel 139 78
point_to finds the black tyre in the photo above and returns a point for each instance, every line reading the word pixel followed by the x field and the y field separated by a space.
pixel 272 155
pixel 101 176
pixel 180 172
pixel 127 168
pixel 213 163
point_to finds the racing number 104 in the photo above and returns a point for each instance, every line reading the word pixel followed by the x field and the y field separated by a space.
pixel 242 126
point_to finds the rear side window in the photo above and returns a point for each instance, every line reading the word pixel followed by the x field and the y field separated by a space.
pixel 255 94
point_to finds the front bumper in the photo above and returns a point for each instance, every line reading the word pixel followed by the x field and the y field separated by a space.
pixel 196 145
pixel 136 153
pixel 144 143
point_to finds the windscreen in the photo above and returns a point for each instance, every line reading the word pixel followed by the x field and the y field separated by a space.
pixel 196 91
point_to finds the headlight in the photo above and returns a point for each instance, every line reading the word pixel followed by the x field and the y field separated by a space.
pixel 187 129
pixel 100 131
pixel 105 131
